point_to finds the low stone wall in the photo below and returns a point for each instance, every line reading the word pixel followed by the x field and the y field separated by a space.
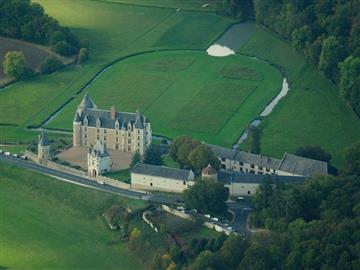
pixel 144 217
pixel 217 228
pixel 177 212
pixel 112 182
pixel 31 156
pixel 62 168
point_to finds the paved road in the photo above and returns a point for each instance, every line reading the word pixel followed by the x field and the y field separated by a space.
pixel 69 177
pixel 241 209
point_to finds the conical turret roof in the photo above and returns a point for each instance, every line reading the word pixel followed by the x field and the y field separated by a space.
pixel 139 120
pixel 43 140
pixel 87 103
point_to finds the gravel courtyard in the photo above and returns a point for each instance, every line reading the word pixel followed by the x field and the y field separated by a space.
pixel 78 156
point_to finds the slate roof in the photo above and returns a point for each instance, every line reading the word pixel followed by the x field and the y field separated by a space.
pixel 302 166
pixel 258 160
pixel 228 177
pixel 87 102
pixel 161 171
pixel 106 121
pixel 43 140
pixel 223 152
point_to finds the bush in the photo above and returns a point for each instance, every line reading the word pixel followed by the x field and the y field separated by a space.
pixel 50 64
pixel 14 64
pixel 83 55
pixel 63 48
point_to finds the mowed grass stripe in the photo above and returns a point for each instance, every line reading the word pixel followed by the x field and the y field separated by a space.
pixel 189 95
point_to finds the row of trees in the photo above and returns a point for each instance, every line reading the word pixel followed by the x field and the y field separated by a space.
pixel 28 21
pixel 191 153
pixel 326 32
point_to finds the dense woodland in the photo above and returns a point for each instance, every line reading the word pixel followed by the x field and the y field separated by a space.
pixel 326 32
pixel 27 21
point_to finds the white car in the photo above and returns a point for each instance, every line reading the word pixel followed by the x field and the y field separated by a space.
pixel 15 155
pixel 215 219
pixel 101 182
pixel 7 153
pixel 181 208
pixel 207 216
pixel 24 157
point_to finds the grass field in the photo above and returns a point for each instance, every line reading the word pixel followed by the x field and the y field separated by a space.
pixel 34 54
pixel 312 113
pixel 119 30
pixel 181 4
pixel 47 224
pixel 186 92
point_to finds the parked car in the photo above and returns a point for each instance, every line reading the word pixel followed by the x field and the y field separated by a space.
pixel 15 155
pixel 215 219
pixel 181 208
pixel 7 153
pixel 101 182
pixel 24 157
pixel 239 199
pixel 1 151
pixel 207 216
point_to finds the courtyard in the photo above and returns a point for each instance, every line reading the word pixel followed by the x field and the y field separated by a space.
pixel 78 156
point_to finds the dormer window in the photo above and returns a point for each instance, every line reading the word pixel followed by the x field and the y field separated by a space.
pixel 116 124
pixel 86 121
pixel 98 124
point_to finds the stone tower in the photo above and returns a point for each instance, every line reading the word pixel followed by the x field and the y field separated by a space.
pixel 43 148
pixel 99 160
pixel 209 173
pixel 77 130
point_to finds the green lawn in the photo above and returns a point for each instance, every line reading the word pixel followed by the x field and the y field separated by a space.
pixel 14 149
pixel 195 97
pixel 122 175
pixel 113 31
pixel 312 113
pixel 48 224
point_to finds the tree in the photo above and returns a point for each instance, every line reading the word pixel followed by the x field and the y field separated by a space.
pixel 232 251
pixel 300 37
pixel 50 65
pixel 205 261
pixel 352 158
pixel 313 152
pixel 136 158
pixel 207 196
pixel 181 148
pixel 202 156
pixel 254 134
pixel 332 54
pixel 14 64
pixel 83 55
pixel 153 156
pixel 349 71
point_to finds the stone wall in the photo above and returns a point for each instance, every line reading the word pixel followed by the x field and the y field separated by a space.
pixel 177 212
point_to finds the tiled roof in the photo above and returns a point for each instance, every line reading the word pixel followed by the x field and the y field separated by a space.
pixel 228 177
pixel 209 170
pixel 161 171
pixel 87 103
pixel 302 166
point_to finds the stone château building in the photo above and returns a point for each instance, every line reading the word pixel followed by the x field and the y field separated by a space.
pixel 99 160
pixel 128 132
pixel 44 153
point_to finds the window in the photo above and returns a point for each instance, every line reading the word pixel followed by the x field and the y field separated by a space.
pixel 104 138
pixel 98 137
pixel 98 130
pixel 129 141
pixel 252 171
pixel 249 192
pixel 241 163
pixel 116 146
pixel 184 182
pixel 151 184
pixel 223 159
pixel 241 170
pixel 222 166
pixel 261 173
pixel 252 166
pixel 85 136
pixel 85 129
pixel 260 168
pixel 267 169
pixel 117 132
pixel 138 137
pixel 105 130
pixel 138 144
pixel 117 139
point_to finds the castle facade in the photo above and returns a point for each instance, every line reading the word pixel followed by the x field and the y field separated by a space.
pixel 123 131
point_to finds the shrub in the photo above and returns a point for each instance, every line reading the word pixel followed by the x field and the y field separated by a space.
pixel 50 64
pixel 83 55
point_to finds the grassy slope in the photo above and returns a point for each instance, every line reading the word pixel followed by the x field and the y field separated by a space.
pixel 118 30
pixel 44 224
pixel 192 97
pixel 312 113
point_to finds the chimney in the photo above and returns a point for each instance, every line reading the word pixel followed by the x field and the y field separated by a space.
pixel 113 112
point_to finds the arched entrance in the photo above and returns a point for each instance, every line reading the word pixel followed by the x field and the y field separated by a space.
pixel 94 173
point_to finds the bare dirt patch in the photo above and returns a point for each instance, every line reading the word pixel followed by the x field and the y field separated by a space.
pixel 78 156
